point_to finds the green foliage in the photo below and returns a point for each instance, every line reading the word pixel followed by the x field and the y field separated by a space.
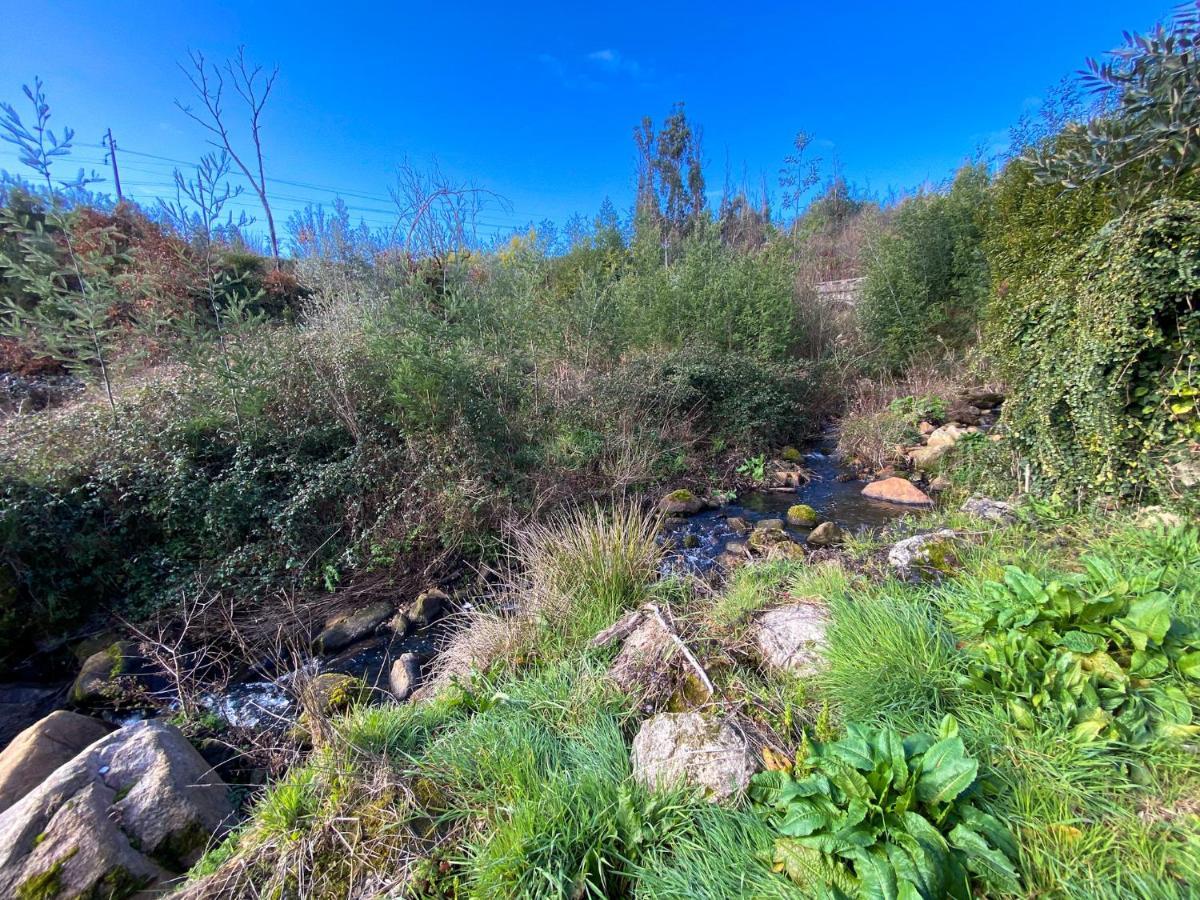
pixel 927 279
pixel 1099 653
pixel 1099 352
pixel 878 815
pixel 917 409
pixel 753 467
pixel 1143 146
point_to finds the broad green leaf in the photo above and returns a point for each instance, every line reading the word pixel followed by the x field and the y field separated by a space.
pixel 1189 665
pixel 946 771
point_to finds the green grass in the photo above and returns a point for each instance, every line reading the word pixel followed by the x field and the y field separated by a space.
pixel 892 661
pixel 516 782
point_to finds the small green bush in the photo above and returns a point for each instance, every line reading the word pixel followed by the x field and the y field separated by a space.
pixel 878 815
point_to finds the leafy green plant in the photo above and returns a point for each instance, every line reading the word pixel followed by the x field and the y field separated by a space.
pixel 917 408
pixel 754 467
pixel 1098 653
pixel 879 815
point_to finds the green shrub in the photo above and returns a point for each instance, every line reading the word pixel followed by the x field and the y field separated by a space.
pixel 878 815
pixel 1099 350
pixel 927 278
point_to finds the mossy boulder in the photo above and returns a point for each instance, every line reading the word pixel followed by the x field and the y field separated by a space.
pixel 926 555
pixel 103 679
pixel 680 502
pixel 791 454
pixel 802 515
pixel 428 606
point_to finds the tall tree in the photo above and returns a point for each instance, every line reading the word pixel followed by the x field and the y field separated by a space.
pixel 670 189
pixel 253 85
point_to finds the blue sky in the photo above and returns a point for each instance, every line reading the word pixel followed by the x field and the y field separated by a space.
pixel 538 101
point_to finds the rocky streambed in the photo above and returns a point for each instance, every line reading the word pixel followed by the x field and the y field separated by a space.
pixel 810 489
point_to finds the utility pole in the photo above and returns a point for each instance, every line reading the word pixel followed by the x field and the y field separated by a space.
pixel 111 143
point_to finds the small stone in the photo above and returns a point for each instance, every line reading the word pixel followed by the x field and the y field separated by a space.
pixel 802 515
pixel 737 523
pixel 762 539
pixel 991 510
pixel 940 484
pixel 404 676
pixel 769 525
pixel 737 547
pixel 826 535
pixel 691 541
pixel 897 490
pixel 685 749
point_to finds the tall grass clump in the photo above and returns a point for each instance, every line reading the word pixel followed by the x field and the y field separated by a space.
pixel 891 661
pixel 585 566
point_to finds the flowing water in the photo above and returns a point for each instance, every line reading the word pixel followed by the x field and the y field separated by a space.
pixel 832 492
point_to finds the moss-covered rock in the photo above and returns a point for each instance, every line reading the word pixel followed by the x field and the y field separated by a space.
pixel 335 692
pixel 680 502
pixel 99 681
pixel 791 454
pixel 802 515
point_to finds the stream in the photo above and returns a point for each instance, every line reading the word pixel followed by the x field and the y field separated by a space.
pixel 835 497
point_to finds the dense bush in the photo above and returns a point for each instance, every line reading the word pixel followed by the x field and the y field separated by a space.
pixel 926 275
pixel 1099 349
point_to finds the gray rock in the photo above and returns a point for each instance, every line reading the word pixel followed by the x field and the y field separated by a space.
pixel 792 637
pixel 680 503
pixel 925 553
pixel 41 748
pixel 738 524
pixel 428 606
pixel 826 535
pixel 991 510
pixel 404 676
pixel 343 630
pixel 769 525
pixel 923 458
pixel 674 749
pixel 133 809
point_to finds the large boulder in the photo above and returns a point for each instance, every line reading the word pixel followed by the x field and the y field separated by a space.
pixel 792 637
pixel 674 749
pixel 896 490
pixel 348 628
pixel 335 692
pixel 133 809
pixel 41 748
